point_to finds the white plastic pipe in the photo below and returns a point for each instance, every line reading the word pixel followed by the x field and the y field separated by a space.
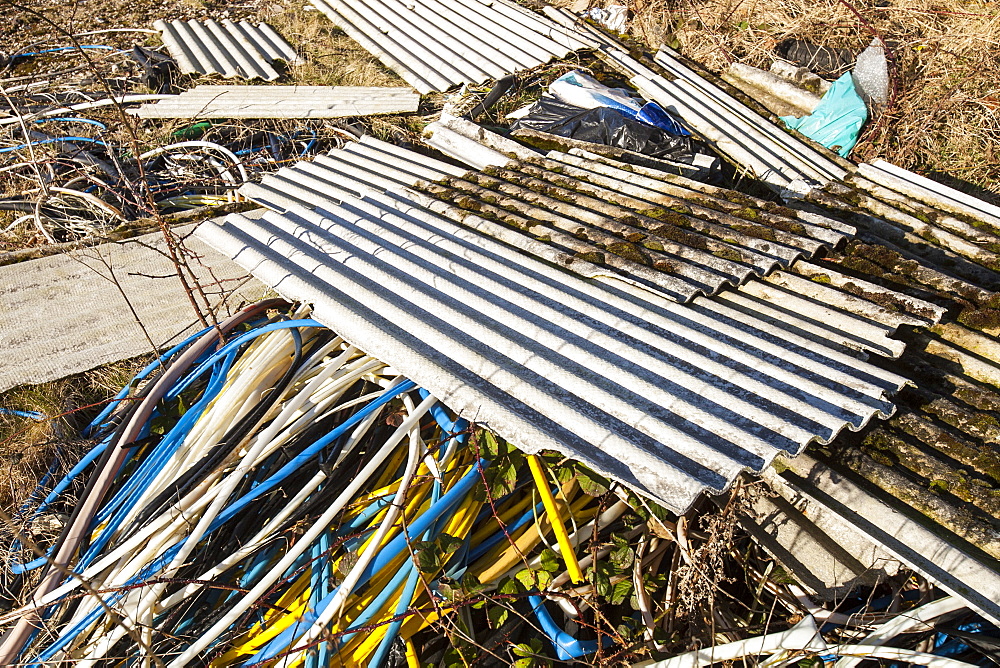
pixel 319 526
pixel 804 636
pixel 395 509
pixel 903 622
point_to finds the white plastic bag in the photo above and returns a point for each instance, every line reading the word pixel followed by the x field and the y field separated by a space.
pixel 871 75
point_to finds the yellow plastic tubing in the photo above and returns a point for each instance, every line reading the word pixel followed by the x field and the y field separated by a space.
pixel 555 519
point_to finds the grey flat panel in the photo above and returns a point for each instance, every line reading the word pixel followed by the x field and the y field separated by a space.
pixel 226 48
pixel 283 102
pixel 437 44
pixel 670 399
pixel 953 566
pixel 72 312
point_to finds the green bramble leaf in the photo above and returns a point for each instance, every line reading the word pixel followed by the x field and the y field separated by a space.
pixel 496 616
pixel 620 591
pixel 472 586
pixel 510 586
pixel 591 483
pixel 528 649
pixel 622 556
pixel 533 579
pixel 550 561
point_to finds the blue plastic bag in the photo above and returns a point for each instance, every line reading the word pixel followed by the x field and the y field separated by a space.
pixel 581 90
pixel 837 121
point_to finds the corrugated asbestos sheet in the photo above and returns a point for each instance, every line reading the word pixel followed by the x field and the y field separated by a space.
pixel 283 102
pixel 436 44
pixel 751 141
pixel 568 19
pixel 595 218
pixel 671 399
pixel 227 48
pixel 940 454
pixel 930 192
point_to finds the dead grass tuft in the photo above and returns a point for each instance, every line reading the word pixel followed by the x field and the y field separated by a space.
pixel 330 58
pixel 944 118
pixel 28 447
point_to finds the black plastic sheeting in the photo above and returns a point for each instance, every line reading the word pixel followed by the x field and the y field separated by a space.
pixel 607 126
pixel 823 60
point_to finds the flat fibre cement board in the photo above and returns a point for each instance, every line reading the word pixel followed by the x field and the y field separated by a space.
pixel 70 313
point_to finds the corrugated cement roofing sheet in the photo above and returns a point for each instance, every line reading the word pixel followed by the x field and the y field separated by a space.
pixel 670 399
pixel 771 153
pixel 228 48
pixel 597 218
pixel 775 156
pixel 436 44
pixel 283 102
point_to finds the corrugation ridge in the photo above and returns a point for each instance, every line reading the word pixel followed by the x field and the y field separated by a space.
pixel 383 227
pixel 524 53
pixel 809 344
pixel 781 254
pixel 599 161
pixel 624 390
pixel 540 356
pixel 364 175
pixel 818 320
pixel 922 183
pixel 412 156
pixel 273 45
pixel 816 160
pixel 406 44
pixel 379 24
pixel 684 102
pixel 424 79
pixel 207 42
pixel 727 219
pixel 304 198
pixel 652 279
pixel 575 413
pixel 719 276
pixel 519 422
pixel 679 256
pixel 236 51
pixel 169 34
pixel 857 305
pixel 827 363
pixel 680 492
pixel 366 155
pixel 493 14
pixel 457 39
pixel 227 49
pixel 410 22
pixel 664 185
pixel 547 27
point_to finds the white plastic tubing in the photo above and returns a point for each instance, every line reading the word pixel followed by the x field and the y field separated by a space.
pixel 804 637
pixel 316 390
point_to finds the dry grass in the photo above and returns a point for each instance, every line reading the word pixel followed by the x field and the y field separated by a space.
pixel 331 58
pixel 944 117
pixel 28 447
